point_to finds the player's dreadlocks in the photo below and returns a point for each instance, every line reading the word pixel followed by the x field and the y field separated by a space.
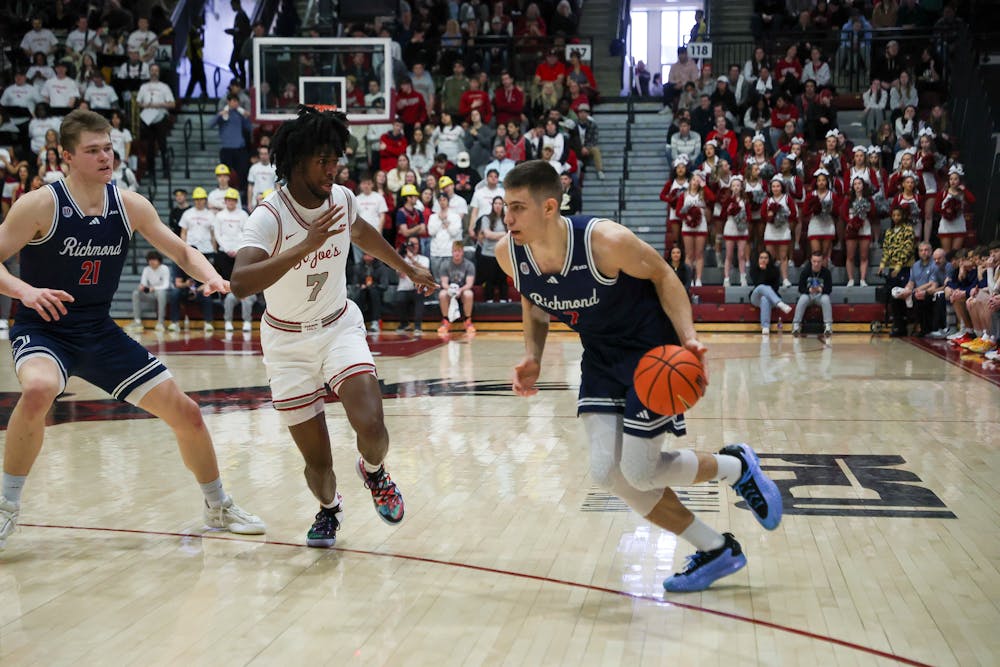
pixel 307 135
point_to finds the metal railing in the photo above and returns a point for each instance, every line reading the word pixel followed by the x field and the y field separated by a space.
pixel 188 131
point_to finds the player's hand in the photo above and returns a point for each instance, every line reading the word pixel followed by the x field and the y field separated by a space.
pixel 215 285
pixel 422 279
pixel 47 302
pixel 525 376
pixel 330 223
pixel 699 350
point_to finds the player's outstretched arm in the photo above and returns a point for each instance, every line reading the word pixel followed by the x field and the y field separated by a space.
pixel 28 218
pixel 368 239
pixel 617 249
pixel 146 221
pixel 535 323
pixel 255 269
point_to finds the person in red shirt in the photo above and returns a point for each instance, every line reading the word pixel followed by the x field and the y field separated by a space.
pixel 551 69
pixel 508 100
pixel 392 144
pixel 781 114
pixel 475 98
pixel 788 70
pixel 410 106
pixel 725 137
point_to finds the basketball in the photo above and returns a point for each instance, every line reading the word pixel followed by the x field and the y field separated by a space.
pixel 669 379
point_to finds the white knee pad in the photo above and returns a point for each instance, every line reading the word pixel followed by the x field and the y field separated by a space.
pixel 604 432
pixel 645 466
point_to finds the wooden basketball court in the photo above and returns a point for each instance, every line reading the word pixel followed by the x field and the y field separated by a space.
pixel 887 455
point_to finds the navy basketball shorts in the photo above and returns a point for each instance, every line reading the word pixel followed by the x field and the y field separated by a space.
pixel 606 386
pixel 100 353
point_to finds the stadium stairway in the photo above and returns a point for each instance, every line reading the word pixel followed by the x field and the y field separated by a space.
pixel 202 173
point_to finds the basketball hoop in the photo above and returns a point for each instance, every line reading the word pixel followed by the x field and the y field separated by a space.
pixel 324 107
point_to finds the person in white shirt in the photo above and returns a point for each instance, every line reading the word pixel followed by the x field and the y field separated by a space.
pixel 154 285
pixel 155 99
pixel 38 40
pixel 372 208
pixel 217 197
pixel 816 69
pixel 61 92
pixel 228 228
pixel 444 228
pixel 22 95
pixel 99 95
pixel 82 38
pixel 482 197
pixel 411 301
pixel 132 69
pixel 456 202
pixel 124 177
pixel 143 40
pixel 261 176
pixel 121 139
pixel 198 224
pixel 39 126
pixel 39 72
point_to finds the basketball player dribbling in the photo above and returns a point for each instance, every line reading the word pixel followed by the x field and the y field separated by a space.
pixel 74 236
pixel 295 249
pixel 623 299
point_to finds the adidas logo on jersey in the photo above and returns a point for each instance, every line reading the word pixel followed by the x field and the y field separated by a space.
pixel 95 221
pixel 552 280
pixel 643 414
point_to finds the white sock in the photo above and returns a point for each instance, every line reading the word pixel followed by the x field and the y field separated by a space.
pixel 730 469
pixel 12 485
pixel 336 502
pixel 702 536
pixel 369 467
pixel 215 496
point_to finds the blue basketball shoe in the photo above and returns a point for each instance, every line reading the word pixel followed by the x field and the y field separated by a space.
pixel 386 497
pixel 705 567
pixel 757 489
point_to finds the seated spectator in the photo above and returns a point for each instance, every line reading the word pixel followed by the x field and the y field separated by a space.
pixel 855 43
pixel 768 17
pixel 20 99
pixel 752 67
pixel 917 290
pixel 984 303
pixel 411 108
pixel 875 101
pixel 124 177
pixel 903 94
pixel 187 290
pixel 705 83
pixel 552 70
pixel 764 87
pixel 959 284
pixel 420 151
pixel 684 142
pixel 391 145
pixel 464 179
pixel 61 92
pixel 83 38
pixel 702 118
pixel 572 199
pixel 509 101
pixel 369 282
pixel 884 14
pixel 725 138
pixel 815 286
pixel 411 302
pixel 889 65
pixel 681 72
pixel 51 168
pixel 99 95
pixel 143 40
pixel 765 278
pixel 39 72
pixel 448 137
pixel 501 162
pixel 456 275
pixel 38 40
pixel 816 69
pixel 788 71
pixel 564 21
pixel 131 74
pixel 582 75
pixel 781 113
pixel 589 137
pixel 154 285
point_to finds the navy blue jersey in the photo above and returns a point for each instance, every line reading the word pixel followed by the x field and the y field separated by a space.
pixel 616 312
pixel 619 319
pixel 81 254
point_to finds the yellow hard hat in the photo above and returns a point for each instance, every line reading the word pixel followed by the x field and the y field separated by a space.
pixel 445 181
pixel 221 169
pixel 267 193
pixel 409 191
pixel 199 193
pixel 232 193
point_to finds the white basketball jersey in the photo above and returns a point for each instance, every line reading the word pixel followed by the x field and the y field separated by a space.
pixel 316 286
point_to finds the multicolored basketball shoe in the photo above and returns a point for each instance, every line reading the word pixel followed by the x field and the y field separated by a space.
pixel 323 533
pixel 757 489
pixel 387 498
pixel 706 567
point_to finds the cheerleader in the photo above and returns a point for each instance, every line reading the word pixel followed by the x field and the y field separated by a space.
pixel 709 167
pixel 928 163
pixel 857 210
pixel 736 233
pixel 909 199
pixel 693 207
pixel 905 167
pixel 755 194
pixel 779 213
pixel 832 159
pixel 951 205
pixel 759 157
pixel 720 190
pixel 859 169
pixel 880 184
pixel 673 188
pixel 823 204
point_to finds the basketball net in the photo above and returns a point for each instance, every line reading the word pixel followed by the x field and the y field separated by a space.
pixel 324 107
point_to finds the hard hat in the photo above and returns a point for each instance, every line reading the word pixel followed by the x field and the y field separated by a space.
pixel 445 181
pixel 409 191
pixel 232 193
pixel 221 169
pixel 199 193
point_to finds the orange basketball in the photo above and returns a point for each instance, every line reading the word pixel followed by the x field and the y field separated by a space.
pixel 669 379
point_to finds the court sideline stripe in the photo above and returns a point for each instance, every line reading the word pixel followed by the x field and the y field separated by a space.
pixel 520 575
